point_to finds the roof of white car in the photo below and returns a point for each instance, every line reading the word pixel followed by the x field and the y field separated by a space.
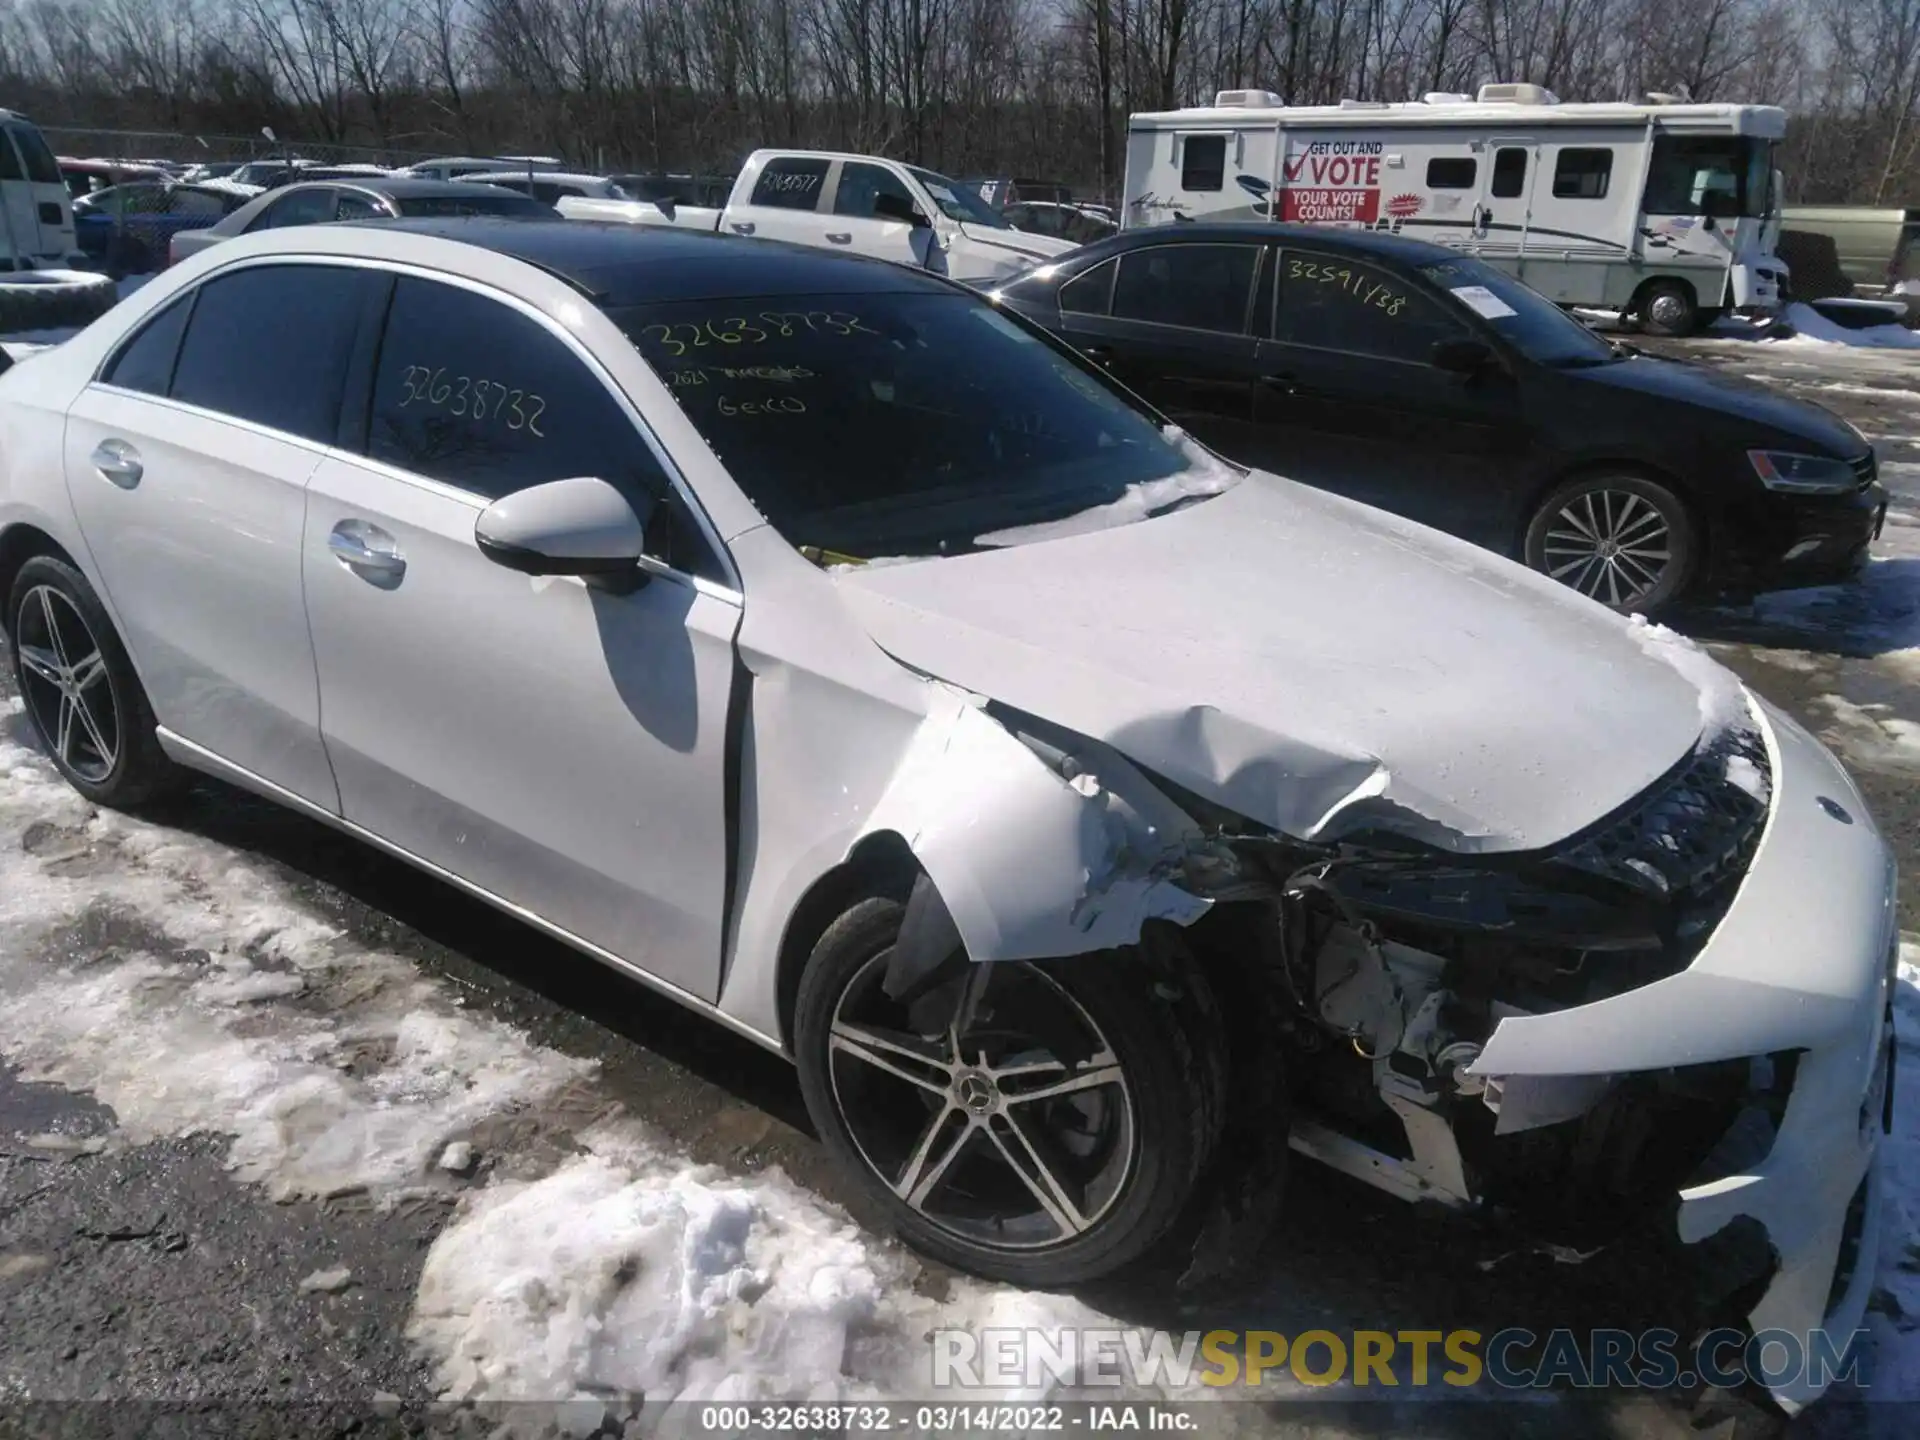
pixel 577 177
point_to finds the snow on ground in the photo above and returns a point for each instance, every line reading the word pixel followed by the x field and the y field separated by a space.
pixel 1812 329
pixel 224 1007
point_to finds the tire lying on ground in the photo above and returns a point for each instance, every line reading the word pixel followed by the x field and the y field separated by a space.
pixel 53 299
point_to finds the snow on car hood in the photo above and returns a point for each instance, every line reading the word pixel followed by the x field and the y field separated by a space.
pixel 1019 242
pixel 1312 664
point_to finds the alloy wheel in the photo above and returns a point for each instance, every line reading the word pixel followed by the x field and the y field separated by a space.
pixel 1612 545
pixel 63 679
pixel 1668 309
pixel 1013 1129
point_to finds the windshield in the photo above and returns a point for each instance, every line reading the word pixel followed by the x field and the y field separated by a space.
pixel 911 424
pixel 1720 175
pixel 507 203
pixel 1524 318
pixel 957 202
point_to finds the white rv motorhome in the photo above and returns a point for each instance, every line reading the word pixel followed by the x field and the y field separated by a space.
pixel 1667 210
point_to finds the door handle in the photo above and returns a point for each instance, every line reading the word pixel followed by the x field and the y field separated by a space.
pixel 368 551
pixel 1285 384
pixel 840 237
pixel 119 462
pixel 1099 354
pixel 742 227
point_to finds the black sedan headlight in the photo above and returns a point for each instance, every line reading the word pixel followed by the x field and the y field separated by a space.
pixel 1803 474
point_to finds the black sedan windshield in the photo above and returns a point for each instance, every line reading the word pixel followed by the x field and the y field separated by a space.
pixel 911 424
pixel 1525 318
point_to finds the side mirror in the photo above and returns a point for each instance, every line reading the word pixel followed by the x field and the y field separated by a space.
pixel 579 527
pixel 898 207
pixel 666 207
pixel 1462 357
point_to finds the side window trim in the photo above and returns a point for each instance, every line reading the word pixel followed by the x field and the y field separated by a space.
pixel 708 533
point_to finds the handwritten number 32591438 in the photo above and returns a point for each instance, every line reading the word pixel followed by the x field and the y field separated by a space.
pixel 473 399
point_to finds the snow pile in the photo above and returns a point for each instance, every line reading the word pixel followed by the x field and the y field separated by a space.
pixel 1871 736
pixel 1811 328
pixel 1722 698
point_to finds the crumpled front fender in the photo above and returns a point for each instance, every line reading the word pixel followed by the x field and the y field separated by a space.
pixel 1030 861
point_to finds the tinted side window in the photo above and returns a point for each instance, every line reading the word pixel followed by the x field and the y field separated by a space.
pixel 1203 287
pixel 1203 162
pixel 1509 173
pixel 355 206
pixel 790 183
pixel 145 363
pixel 303 207
pixel 862 185
pixel 9 161
pixel 269 344
pixel 479 396
pixel 1091 292
pixel 1582 174
pixel 1335 303
pixel 1445 173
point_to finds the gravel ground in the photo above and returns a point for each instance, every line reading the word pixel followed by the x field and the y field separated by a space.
pixel 142 1261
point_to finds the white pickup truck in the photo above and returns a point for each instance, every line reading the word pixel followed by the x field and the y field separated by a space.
pixel 858 203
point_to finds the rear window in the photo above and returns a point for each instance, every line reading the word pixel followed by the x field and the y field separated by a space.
pixel 910 424
pixel 506 203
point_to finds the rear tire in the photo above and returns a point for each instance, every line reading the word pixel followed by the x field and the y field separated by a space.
pixel 1623 540
pixel 81 694
pixel 1110 1165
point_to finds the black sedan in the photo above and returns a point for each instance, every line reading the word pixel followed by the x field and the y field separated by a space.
pixel 1425 382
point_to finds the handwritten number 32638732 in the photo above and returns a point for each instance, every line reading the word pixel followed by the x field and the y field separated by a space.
pixel 473 398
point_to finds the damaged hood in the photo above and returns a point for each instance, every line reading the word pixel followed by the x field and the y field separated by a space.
pixel 1312 664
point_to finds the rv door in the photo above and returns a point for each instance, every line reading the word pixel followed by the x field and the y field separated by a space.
pixel 1505 212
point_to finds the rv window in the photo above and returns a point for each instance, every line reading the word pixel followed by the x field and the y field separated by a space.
pixel 1582 174
pixel 1454 174
pixel 1509 173
pixel 1708 175
pixel 1203 162
pixel 1200 287
pixel 1090 293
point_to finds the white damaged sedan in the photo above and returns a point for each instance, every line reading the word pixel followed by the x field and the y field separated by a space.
pixel 1090 821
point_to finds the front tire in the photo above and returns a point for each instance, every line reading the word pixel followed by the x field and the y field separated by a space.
pixel 1051 1142
pixel 1623 540
pixel 1668 307
pixel 80 691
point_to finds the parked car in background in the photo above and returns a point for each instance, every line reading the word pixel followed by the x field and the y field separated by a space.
pixel 710 191
pixel 1076 223
pixel 558 188
pixel 86 177
pixel 1141 819
pixel 865 205
pixel 383 198
pixel 458 167
pixel 1428 383
pixel 129 229
pixel 211 170
pixel 1002 192
pixel 1875 249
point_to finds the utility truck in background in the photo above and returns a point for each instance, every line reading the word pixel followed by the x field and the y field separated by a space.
pixel 1665 210
pixel 858 203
